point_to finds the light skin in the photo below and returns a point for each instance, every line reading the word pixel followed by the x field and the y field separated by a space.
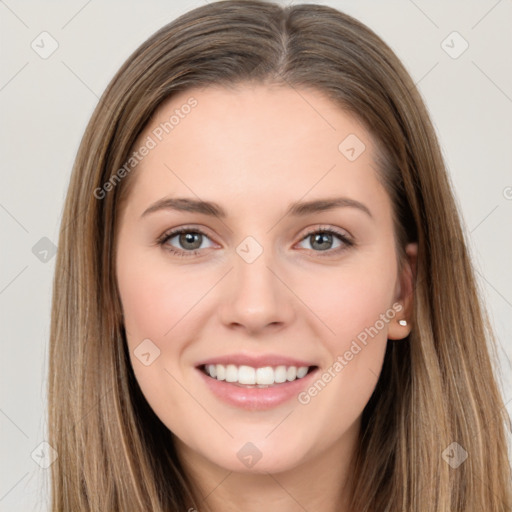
pixel 254 151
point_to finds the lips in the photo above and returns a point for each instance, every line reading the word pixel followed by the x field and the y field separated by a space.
pixel 256 360
pixel 256 396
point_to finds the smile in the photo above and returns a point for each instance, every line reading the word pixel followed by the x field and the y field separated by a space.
pixel 256 389
pixel 256 377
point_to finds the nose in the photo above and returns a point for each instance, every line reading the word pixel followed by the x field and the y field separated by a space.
pixel 256 297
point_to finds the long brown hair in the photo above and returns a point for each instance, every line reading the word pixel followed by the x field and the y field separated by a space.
pixel 436 388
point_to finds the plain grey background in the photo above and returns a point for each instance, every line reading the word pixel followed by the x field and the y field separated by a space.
pixel 457 52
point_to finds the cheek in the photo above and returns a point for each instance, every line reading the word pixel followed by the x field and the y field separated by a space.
pixel 351 299
pixel 156 303
pixel 161 304
pixel 147 307
pixel 156 297
pixel 355 305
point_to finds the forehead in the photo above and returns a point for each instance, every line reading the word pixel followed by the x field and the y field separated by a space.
pixel 255 142
pixel 255 119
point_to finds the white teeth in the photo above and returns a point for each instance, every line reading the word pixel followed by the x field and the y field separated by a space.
pixel 291 373
pixel 220 371
pixel 280 374
pixel 231 373
pixel 265 376
pixel 301 372
pixel 246 375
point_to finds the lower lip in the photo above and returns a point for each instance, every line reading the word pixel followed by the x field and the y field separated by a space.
pixel 257 399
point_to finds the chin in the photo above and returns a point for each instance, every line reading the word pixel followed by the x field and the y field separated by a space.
pixel 252 458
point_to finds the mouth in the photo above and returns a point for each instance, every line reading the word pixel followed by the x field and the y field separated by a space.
pixel 256 388
pixel 251 377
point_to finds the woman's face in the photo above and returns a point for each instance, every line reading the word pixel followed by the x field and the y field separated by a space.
pixel 286 261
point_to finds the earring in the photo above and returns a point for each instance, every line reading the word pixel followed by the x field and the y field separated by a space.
pixel 402 322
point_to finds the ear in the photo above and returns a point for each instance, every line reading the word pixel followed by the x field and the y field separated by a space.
pixel 404 295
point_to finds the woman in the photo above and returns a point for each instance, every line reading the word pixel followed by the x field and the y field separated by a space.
pixel 263 298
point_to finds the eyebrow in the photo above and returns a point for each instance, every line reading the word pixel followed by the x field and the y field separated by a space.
pixel 297 209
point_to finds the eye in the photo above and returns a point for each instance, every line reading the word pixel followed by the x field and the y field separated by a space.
pixel 188 241
pixel 184 241
pixel 327 240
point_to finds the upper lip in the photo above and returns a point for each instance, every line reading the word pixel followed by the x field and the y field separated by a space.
pixel 256 360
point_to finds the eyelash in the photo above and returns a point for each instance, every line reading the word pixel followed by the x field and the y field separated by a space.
pixel 162 241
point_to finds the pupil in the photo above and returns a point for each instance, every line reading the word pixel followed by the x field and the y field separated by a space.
pixel 322 238
pixel 190 238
